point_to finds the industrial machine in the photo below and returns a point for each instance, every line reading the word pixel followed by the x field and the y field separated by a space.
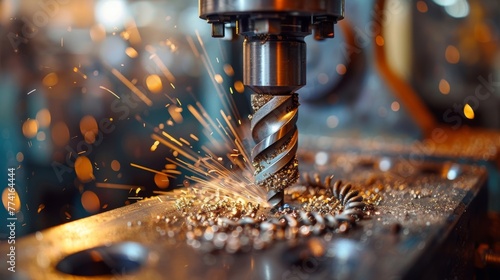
pixel 365 184
pixel 274 67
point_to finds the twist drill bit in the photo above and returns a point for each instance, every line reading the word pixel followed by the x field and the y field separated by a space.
pixel 274 67
pixel 274 131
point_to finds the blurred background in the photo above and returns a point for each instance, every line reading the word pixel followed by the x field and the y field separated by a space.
pixel 84 84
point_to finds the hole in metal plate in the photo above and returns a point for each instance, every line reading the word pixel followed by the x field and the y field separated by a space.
pixel 116 259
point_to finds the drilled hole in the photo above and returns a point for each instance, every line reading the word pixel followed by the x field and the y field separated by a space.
pixel 116 259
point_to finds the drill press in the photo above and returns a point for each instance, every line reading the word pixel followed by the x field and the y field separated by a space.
pixel 274 67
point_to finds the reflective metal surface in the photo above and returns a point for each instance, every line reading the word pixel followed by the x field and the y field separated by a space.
pixel 232 7
pixel 404 232
pixel 274 66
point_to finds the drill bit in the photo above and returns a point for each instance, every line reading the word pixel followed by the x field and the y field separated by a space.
pixel 274 68
pixel 274 131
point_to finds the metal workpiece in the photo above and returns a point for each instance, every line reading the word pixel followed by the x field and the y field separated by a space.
pixel 274 67
pixel 274 131
pixel 403 228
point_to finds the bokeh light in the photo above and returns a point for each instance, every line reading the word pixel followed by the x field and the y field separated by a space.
pixel 41 136
pixel 444 86
pixel 452 54
pixel 395 106
pixel 43 118
pixel 50 80
pixel 458 9
pixel 30 128
pixel 323 78
pixel 154 84
pixel 422 6
pixel 228 69
pixel 84 170
pixel 482 32
pixel 111 13
pixel 161 180
pixel 88 128
pixel 90 202
pixel 468 112
pixel 239 87
pixel 60 134
pixel 332 121
pixel 19 157
pixel 13 198
pixel 97 33
pixel 115 165
pixel 175 112
pixel 218 78
pixel 341 69
pixel 131 52
pixel 379 40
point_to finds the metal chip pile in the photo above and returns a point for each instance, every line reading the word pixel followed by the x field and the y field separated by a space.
pixel 234 225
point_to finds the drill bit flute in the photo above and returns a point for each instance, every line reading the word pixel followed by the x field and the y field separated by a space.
pixel 274 67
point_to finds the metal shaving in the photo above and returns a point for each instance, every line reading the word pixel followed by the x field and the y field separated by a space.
pixel 234 225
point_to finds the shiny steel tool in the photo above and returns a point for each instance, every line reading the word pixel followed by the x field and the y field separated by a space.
pixel 274 67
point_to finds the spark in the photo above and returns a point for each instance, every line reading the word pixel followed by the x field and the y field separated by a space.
pixel 193 47
pixel 132 87
pixel 40 208
pixel 171 138
pixel 211 172
pixel 170 166
pixel 33 90
pixel 161 192
pixel 149 169
pixel 238 140
pixel 117 186
pixel 171 146
pixel 133 31
pixel 163 68
pixel 155 146
pixel 185 141
pixel 229 104
pixel 177 172
pixel 194 137
pixel 76 70
pixel 110 91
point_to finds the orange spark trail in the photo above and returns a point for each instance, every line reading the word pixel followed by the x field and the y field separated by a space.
pixel 132 87
pixel 164 69
pixel 237 140
pixel 110 91
pixel 149 169
pixel 220 90
pixel 117 186
pixel 175 148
